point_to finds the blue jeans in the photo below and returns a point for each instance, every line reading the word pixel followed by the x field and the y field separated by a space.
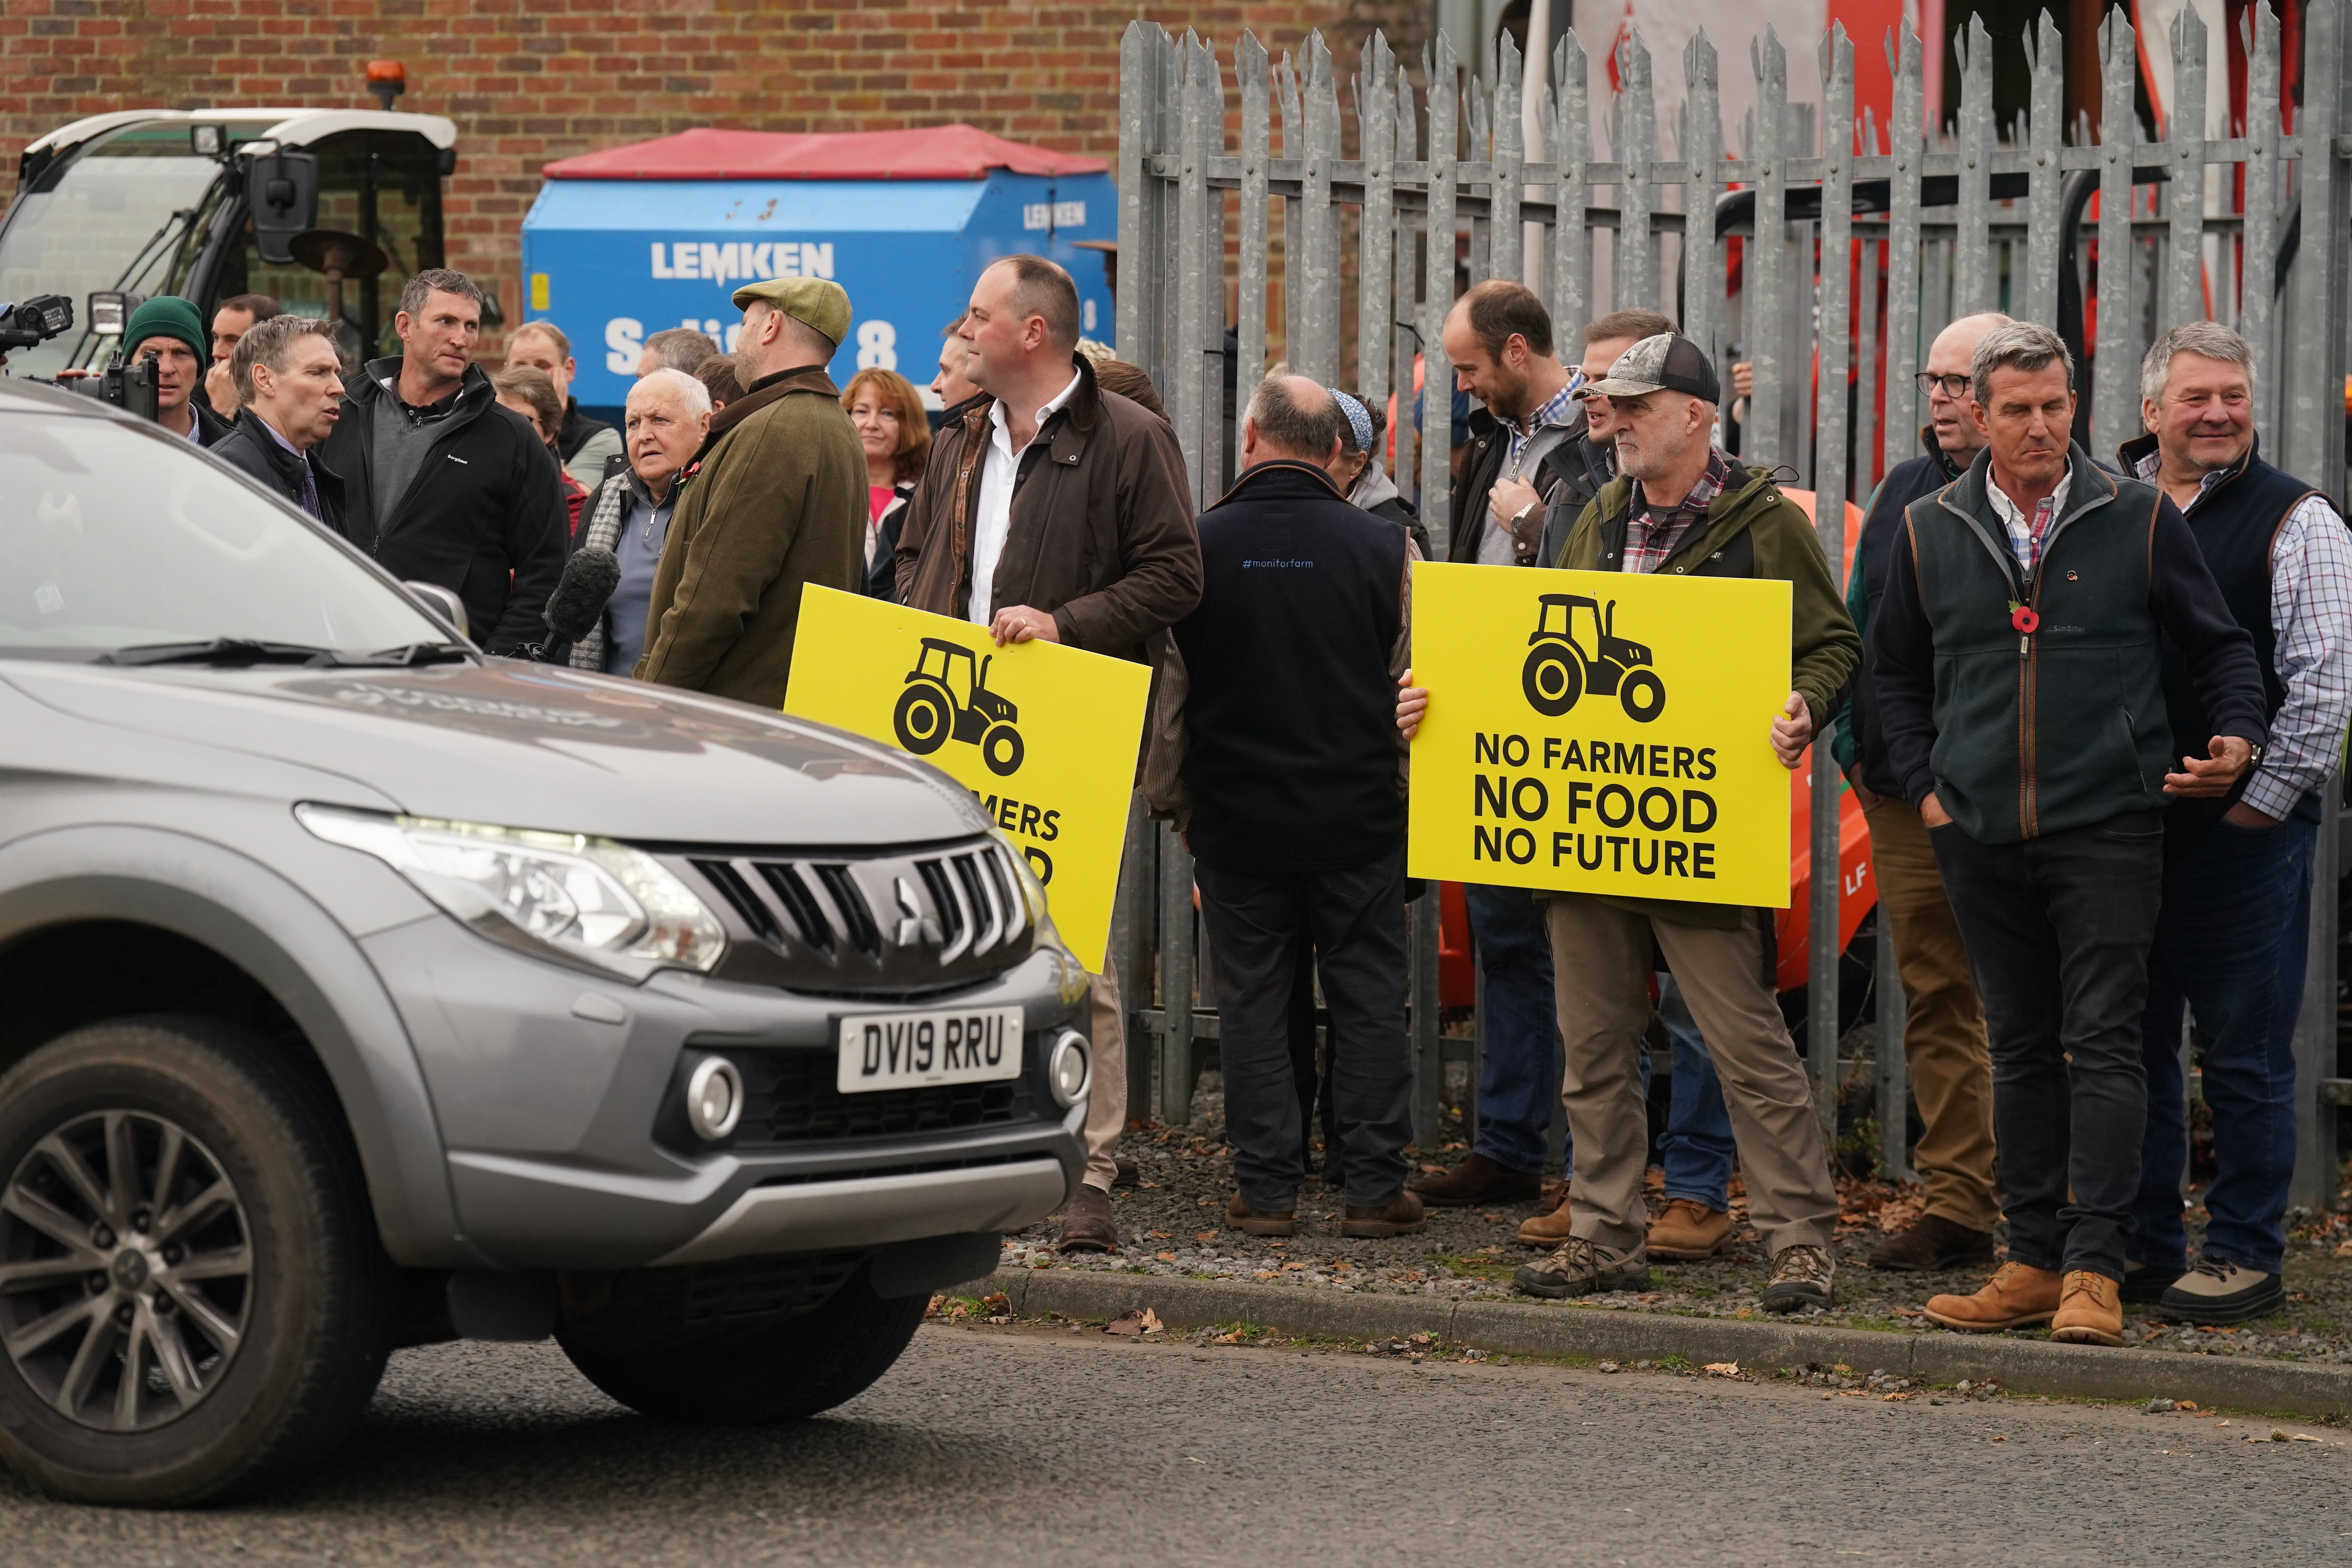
pixel 1698 1144
pixel 1521 1080
pixel 2232 942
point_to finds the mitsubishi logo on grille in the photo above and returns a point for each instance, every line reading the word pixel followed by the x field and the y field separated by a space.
pixel 914 926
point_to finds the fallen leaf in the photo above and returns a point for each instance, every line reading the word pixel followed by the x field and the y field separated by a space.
pixel 1204 1236
pixel 1158 1236
pixel 996 1304
pixel 1292 1266
pixel 1142 1320
pixel 2304 1437
pixel 2343 1249
pixel 1165 1256
pixel 1714 1368
pixel 2000 1439
pixel 2186 1404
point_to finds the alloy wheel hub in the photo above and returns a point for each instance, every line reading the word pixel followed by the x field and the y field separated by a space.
pixel 126 1270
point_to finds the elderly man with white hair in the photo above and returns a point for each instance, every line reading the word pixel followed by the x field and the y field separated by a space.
pixel 669 415
pixel 2231 935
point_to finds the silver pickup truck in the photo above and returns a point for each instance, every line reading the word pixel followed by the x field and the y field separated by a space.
pixel 358 991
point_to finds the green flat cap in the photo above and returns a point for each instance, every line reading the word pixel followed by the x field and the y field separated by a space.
pixel 167 316
pixel 820 303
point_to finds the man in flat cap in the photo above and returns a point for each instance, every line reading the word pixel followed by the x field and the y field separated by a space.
pixel 776 500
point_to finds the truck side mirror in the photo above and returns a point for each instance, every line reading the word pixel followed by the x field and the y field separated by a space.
pixel 282 188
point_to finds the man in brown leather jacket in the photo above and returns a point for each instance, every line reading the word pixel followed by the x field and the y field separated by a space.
pixel 776 500
pixel 1052 509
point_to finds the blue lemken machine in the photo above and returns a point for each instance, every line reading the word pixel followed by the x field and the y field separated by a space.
pixel 627 241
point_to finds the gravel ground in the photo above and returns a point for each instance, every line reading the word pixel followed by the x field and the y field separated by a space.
pixel 1174 1225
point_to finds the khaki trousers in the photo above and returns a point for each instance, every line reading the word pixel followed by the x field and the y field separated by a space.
pixel 1943 1033
pixel 1107 1100
pixel 1600 968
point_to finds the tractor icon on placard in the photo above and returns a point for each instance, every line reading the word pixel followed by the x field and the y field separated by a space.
pixel 1558 670
pixel 947 696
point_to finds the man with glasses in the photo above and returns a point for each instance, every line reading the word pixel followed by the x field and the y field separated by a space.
pixel 1943 1031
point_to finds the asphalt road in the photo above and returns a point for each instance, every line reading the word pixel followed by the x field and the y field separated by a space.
pixel 1041 1446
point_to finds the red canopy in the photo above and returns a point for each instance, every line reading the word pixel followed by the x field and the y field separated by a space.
pixel 926 152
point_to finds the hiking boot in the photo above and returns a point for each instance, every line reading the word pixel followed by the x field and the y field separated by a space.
pixel 1085 1224
pixel 2018 1296
pixel 1581 1267
pixel 2217 1291
pixel 1400 1215
pixel 1931 1241
pixel 1688 1230
pixel 1126 1174
pixel 1801 1276
pixel 1477 1180
pixel 2090 1312
pixel 1254 1222
pixel 1546 1230
pixel 2146 1283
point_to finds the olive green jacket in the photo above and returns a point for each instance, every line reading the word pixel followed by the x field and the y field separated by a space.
pixel 1751 530
pixel 778 501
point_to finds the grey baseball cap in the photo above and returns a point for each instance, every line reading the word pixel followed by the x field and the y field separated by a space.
pixel 1667 362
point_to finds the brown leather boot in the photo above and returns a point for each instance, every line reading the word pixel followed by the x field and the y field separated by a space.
pixel 1688 1231
pixel 1931 1241
pixel 1085 1223
pixel 2089 1311
pixel 1546 1230
pixel 2017 1297
pixel 1477 1180
pixel 1260 1222
pixel 1400 1215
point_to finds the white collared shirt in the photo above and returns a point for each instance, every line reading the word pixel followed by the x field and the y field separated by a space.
pixel 995 520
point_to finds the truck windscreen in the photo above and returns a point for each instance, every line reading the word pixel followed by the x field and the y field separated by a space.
pixel 115 214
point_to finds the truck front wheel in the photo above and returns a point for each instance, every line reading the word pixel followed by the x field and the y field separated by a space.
pixel 192 1299
pixel 786 1372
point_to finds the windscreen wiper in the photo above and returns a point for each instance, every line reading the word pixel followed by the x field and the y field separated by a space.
pixel 218 651
pixel 407 657
pixel 239 652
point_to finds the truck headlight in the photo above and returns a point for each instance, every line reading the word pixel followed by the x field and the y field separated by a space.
pixel 1032 890
pixel 563 896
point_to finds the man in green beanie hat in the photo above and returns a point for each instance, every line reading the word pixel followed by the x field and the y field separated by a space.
pixel 169 333
pixel 776 500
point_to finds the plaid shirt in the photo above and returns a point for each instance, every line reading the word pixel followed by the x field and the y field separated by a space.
pixel 2027 536
pixel 2311 615
pixel 1559 409
pixel 1650 535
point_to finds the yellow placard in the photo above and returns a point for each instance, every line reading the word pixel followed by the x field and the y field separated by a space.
pixel 1602 733
pixel 1044 736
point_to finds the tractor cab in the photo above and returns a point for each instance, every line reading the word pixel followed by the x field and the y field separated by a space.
pixel 213 203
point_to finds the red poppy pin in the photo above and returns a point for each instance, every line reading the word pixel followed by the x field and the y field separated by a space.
pixel 2023 617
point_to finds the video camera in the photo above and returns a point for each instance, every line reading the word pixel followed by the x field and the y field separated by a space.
pixel 34 321
pixel 129 387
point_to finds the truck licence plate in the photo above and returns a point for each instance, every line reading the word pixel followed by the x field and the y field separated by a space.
pixel 908 1050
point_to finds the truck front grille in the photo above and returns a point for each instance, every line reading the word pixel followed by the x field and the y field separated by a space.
pixel 896 924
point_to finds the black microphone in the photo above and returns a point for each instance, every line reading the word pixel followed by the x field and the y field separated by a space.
pixel 578 602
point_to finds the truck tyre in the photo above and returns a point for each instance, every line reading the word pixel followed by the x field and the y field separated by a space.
pixel 1643 694
pixel 192 1299
pixel 786 1372
pixel 1553 678
pixel 924 719
pixel 1002 750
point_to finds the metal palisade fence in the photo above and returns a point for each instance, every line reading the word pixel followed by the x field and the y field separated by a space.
pixel 1858 243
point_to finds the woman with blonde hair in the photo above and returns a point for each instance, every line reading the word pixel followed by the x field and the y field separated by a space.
pixel 888 414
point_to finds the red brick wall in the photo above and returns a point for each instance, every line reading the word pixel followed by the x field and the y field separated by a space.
pixel 531 81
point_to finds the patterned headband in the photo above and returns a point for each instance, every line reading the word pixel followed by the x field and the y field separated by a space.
pixel 1359 420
